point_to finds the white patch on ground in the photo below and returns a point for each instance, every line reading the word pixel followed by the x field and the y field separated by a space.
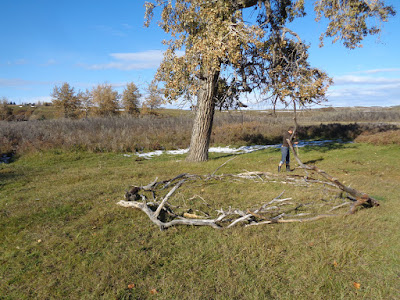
pixel 229 150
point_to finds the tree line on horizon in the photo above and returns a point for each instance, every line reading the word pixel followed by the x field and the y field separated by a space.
pixel 102 100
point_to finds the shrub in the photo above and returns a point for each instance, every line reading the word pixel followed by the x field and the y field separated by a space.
pixel 380 138
pixel 149 132
pixel 5 111
pixel 116 134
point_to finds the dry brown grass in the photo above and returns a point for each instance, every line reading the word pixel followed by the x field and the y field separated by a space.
pixel 119 134
pixel 381 138
pixel 155 132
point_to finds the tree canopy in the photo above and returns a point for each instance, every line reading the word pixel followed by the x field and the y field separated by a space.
pixel 130 99
pixel 106 100
pixel 153 99
pixel 264 55
pixel 65 99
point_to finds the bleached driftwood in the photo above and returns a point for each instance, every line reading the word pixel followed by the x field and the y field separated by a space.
pixel 161 212
pixel 361 199
pixel 230 216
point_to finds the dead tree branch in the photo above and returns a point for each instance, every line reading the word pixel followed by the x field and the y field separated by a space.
pixel 361 198
pixel 161 212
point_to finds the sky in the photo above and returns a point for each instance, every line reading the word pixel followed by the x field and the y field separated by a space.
pixel 45 43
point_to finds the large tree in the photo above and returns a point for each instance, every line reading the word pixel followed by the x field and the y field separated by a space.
pixel 264 56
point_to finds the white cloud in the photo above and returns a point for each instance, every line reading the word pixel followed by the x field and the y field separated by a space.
pixel 18 82
pixel 374 71
pixel 150 55
pixel 41 99
pixel 385 95
pixel 127 26
pixel 17 62
pixel 89 85
pixel 150 59
pixel 21 61
pixel 50 62
pixel 367 89
pixel 124 66
pixel 364 80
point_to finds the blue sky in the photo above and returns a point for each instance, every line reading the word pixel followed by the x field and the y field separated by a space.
pixel 45 43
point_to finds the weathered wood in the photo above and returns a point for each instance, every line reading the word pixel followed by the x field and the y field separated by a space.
pixel 150 186
pixel 318 217
pixel 164 225
pixel 270 212
pixel 202 126
pixel 361 198
pixel 215 171
pixel 160 207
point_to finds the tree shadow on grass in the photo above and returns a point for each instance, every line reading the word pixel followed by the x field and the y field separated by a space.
pixel 327 147
pixel 223 155
pixel 308 148
pixel 313 161
pixel 7 177
pixel 259 139
pixel 341 131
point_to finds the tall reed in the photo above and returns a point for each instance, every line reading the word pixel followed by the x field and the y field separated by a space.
pixel 130 134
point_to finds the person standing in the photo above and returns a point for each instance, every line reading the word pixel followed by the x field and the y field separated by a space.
pixel 286 150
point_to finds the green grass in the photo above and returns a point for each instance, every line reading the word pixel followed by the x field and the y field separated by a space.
pixel 35 113
pixel 63 236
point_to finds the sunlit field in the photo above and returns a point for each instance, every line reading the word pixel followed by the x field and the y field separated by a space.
pixel 64 237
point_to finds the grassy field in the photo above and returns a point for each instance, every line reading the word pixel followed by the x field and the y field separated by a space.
pixel 63 236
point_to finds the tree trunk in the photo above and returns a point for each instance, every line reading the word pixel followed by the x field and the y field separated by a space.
pixel 202 126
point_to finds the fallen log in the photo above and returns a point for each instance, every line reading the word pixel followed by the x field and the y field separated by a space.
pixel 360 197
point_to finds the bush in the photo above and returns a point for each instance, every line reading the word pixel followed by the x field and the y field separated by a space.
pixel 6 112
pixel 381 138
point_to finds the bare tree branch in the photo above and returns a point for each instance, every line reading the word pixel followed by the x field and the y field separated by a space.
pixel 270 212
pixel 160 207
pixel 222 165
pixel 361 198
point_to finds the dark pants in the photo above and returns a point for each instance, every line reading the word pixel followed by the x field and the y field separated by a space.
pixel 285 155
